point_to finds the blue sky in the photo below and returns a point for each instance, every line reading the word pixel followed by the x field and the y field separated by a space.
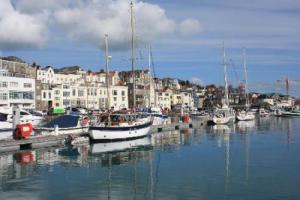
pixel 186 37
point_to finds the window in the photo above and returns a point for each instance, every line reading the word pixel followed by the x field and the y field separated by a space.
pixel 13 84
pixel 44 95
pixel 57 92
pixel 95 92
pixel 123 93
pixel 28 95
pixel 66 86
pixel 80 93
pixel 100 92
pixel 57 98
pixel 115 98
pixel 3 96
pixel 123 98
pixel 74 92
pixel 66 94
pixel 115 92
pixel 3 84
pixel 49 94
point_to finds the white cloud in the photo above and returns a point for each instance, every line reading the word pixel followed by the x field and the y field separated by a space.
pixel 25 23
pixel 36 6
pixel 90 22
pixel 196 81
pixel 20 30
pixel 189 27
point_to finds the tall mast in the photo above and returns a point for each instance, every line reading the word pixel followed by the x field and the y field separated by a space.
pixel 246 77
pixel 132 54
pixel 106 68
pixel 225 76
pixel 150 78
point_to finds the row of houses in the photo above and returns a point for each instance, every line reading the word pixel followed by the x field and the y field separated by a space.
pixel 33 87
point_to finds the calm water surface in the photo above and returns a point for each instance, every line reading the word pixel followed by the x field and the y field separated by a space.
pixel 258 160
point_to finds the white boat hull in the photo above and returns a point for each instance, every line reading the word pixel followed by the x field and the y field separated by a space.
pixel 246 117
pixel 61 131
pixel 223 120
pixel 119 133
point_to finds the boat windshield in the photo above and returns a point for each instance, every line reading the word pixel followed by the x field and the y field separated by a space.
pixel 3 117
pixel 123 118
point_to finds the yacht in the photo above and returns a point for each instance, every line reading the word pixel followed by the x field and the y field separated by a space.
pixel 6 117
pixel 245 116
pixel 6 121
pixel 263 112
pixel 120 126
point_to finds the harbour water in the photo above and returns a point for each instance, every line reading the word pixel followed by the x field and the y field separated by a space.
pixel 248 160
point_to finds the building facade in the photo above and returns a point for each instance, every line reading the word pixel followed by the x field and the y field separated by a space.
pixel 16 91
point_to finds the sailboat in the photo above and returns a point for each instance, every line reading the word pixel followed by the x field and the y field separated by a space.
pixel 224 115
pixel 245 115
pixel 158 117
pixel 122 125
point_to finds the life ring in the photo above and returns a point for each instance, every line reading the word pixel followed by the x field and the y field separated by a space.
pixel 85 121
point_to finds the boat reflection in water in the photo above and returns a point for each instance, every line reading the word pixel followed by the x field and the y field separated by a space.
pixel 221 129
pixel 245 126
pixel 96 148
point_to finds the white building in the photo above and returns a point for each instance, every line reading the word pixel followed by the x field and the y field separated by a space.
pixel 87 90
pixel 16 91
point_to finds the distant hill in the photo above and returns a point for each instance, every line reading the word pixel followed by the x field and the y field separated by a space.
pixel 13 58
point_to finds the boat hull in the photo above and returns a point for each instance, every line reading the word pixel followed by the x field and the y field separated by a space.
pixel 119 133
pixel 223 120
pixel 248 117
pixel 61 131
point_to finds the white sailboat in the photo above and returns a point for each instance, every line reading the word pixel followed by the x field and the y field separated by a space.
pixel 224 115
pixel 158 117
pixel 122 125
pixel 245 115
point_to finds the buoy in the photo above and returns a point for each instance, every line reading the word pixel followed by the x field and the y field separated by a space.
pixel 23 131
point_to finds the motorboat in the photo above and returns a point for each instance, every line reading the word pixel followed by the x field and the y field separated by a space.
pixel 291 113
pixel 6 121
pixel 120 126
pixel 6 117
pixel 263 112
pixel 198 114
pixel 245 116
pixel 65 124
pixel 157 115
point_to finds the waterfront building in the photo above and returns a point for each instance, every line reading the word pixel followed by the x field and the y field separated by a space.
pixel 144 90
pixel 187 98
pixel 171 83
pixel 163 98
pixel 17 67
pixel 16 91
pixel 77 88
